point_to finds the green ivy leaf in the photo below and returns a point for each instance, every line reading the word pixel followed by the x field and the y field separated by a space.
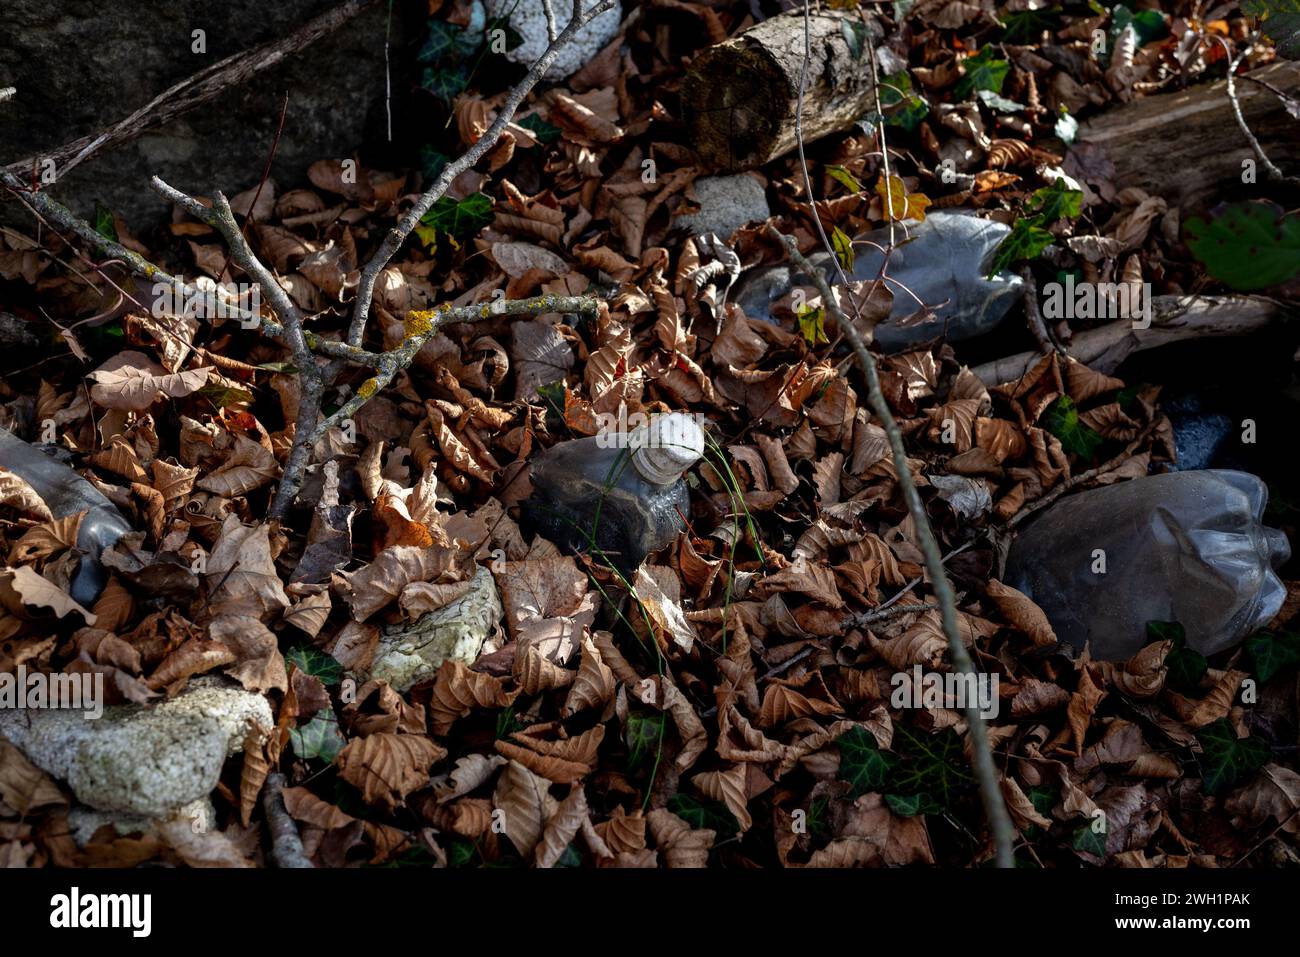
pixel 854 33
pixel 318 738
pixel 543 131
pixel 446 83
pixel 1225 758
pixel 906 107
pixel 1271 653
pixel 1027 26
pixel 311 661
pixel 983 72
pixel 862 764
pixel 1055 202
pixel 843 247
pixel 458 219
pixel 1043 798
pixel 104 222
pixel 644 734
pixel 1089 841
pixel 711 814
pixel 1026 240
pixel 843 176
pixel 431 162
pixel 812 325
pixel 1250 245
pixel 446 41
pixel 1062 419
pixel 1166 631
pixel 224 396
pixel 932 765
pixel 910 805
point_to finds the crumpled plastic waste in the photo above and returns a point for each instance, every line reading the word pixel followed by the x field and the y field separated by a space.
pixel 1186 547
pixel 944 261
pixel 67 493
pixel 617 495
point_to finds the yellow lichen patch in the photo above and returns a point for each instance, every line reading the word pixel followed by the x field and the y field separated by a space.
pixel 418 322
pixel 368 388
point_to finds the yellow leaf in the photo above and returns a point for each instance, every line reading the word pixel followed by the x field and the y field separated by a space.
pixel 899 203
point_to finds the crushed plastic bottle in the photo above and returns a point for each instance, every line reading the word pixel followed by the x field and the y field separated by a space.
pixel 622 492
pixel 67 493
pixel 944 262
pixel 1187 547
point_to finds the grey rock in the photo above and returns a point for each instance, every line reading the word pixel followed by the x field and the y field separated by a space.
pixel 84 821
pixel 1199 432
pixel 455 632
pixel 80 66
pixel 726 204
pixel 528 19
pixel 943 261
pixel 1187 547
pixel 148 760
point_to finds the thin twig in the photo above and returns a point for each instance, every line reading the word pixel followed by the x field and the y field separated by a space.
pixel 1270 167
pixel 1034 314
pixel 885 614
pixel 985 771
pixel 286 844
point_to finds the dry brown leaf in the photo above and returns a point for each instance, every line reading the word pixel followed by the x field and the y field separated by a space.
pixel 384 580
pixel 15 493
pixel 457 691
pixel 563 826
pixel 681 846
pixel 1022 612
pixel 24 786
pixel 1083 703
pixel 21 588
pixel 526 805
pixel 593 686
pixel 471 772
pixel 729 788
pixel 385 768
pixel 132 381
pixel 202 847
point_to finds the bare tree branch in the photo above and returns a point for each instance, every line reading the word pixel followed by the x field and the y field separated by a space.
pixel 406 225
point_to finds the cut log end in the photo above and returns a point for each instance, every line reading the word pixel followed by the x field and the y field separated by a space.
pixel 740 98
pixel 736 102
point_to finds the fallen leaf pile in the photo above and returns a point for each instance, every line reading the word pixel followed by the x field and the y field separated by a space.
pixel 730 705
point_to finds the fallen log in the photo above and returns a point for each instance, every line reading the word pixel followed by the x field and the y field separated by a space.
pixel 740 97
pixel 1187 146
pixel 1173 318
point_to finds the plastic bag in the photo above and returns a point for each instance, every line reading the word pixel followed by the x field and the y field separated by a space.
pixel 943 260
pixel 1187 547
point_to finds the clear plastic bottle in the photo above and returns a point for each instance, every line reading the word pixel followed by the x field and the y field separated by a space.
pixel 1188 547
pixel 67 493
pixel 943 261
pixel 619 495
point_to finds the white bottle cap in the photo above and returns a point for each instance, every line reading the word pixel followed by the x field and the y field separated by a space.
pixel 668 445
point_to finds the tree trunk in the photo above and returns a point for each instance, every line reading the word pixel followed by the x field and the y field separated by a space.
pixel 740 96
pixel 1187 146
